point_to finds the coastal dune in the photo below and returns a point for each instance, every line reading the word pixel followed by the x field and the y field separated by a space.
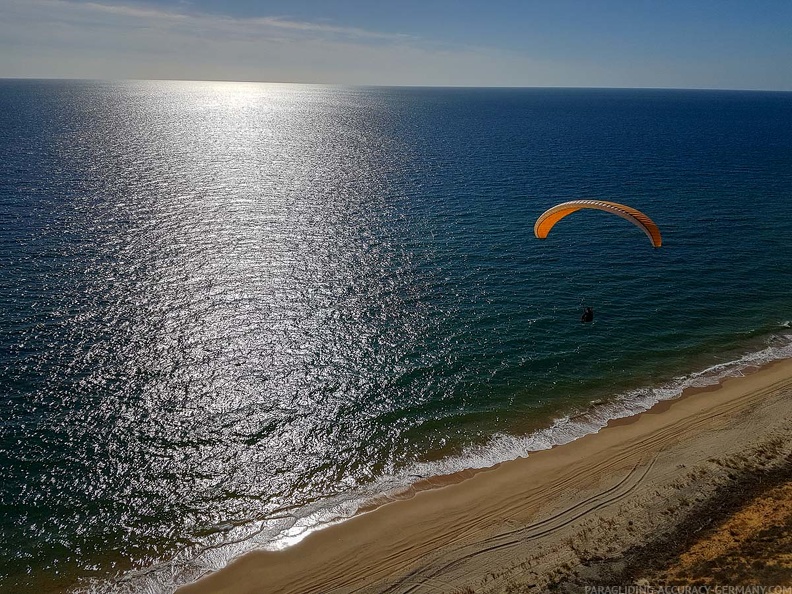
pixel 546 518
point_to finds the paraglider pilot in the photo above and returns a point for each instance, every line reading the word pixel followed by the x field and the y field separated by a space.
pixel 588 315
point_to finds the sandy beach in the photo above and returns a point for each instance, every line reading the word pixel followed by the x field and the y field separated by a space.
pixel 578 514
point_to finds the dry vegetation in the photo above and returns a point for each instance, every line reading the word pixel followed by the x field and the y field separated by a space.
pixel 741 535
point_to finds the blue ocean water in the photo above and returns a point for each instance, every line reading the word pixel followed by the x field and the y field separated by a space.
pixel 232 313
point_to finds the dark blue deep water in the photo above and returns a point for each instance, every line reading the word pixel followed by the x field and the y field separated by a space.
pixel 230 313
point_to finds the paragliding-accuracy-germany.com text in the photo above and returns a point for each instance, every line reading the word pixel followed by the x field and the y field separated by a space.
pixel 711 589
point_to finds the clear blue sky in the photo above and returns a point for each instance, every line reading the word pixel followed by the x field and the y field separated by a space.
pixel 626 43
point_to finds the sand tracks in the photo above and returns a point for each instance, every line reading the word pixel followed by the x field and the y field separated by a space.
pixel 423 579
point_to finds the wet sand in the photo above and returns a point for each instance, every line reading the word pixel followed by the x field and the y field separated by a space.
pixel 566 517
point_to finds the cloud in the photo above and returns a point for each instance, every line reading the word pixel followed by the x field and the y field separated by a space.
pixel 135 12
pixel 71 39
pixel 134 15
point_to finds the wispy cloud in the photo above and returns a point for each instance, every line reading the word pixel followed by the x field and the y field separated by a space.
pixel 282 23
pixel 138 14
pixel 108 39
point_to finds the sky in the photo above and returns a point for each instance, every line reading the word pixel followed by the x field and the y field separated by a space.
pixel 726 44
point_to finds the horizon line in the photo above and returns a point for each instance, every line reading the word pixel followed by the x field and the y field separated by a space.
pixel 394 86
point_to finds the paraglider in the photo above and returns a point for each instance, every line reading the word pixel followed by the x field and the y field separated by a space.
pixel 550 217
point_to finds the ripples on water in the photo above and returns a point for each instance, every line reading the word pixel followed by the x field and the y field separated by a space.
pixel 227 308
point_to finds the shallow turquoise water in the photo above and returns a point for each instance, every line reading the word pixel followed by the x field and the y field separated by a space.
pixel 231 312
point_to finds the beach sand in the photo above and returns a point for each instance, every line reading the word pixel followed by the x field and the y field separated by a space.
pixel 616 507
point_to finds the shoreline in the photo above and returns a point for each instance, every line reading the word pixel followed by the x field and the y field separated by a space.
pixel 491 525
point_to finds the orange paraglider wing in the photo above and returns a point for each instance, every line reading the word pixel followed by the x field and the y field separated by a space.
pixel 551 216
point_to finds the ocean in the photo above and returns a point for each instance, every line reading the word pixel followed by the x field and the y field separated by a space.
pixel 234 313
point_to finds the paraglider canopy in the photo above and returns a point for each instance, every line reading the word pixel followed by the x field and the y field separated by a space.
pixel 550 217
